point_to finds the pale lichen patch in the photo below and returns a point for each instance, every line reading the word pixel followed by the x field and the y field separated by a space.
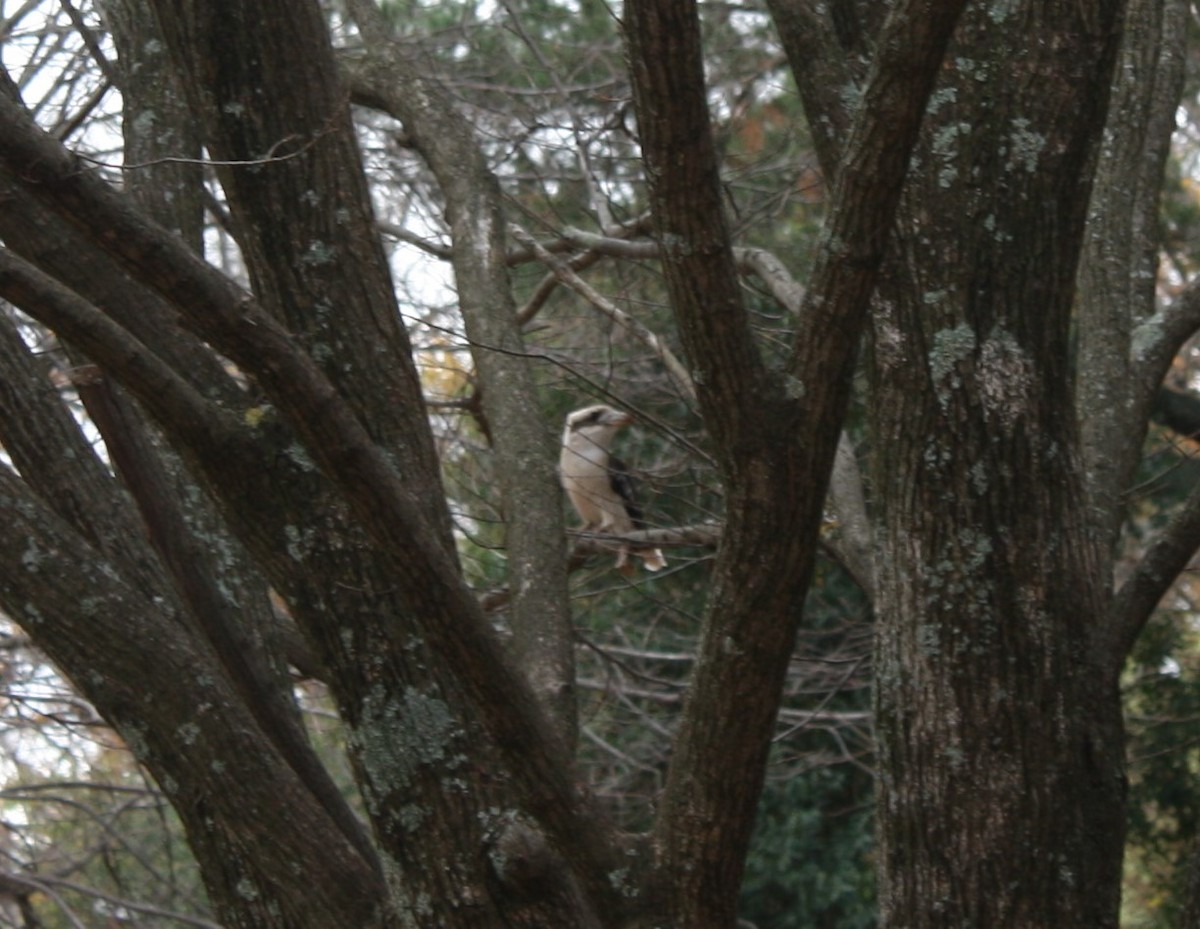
pixel 1006 379
pixel 946 149
pixel 1025 146
pixel 396 737
pixel 950 348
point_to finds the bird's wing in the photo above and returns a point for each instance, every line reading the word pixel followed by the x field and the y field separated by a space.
pixel 623 485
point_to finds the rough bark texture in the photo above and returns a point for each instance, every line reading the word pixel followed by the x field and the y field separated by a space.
pixel 525 451
pixel 1126 342
pixel 1117 280
pixel 997 714
pixel 216 577
pixel 180 714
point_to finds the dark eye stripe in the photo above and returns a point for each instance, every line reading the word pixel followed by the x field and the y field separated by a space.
pixel 593 417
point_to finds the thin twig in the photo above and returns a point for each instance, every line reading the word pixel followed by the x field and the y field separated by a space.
pixel 635 327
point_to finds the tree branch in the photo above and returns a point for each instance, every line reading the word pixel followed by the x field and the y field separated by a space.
pixel 59 464
pixel 1157 340
pixel 14 882
pixel 58 248
pixel 867 189
pixel 170 397
pixel 233 612
pixel 643 333
pixel 702 535
pixel 667 71
pixel 757 261
pixel 525 452
pixel 77 605
pixel 776 437
pixel 829 69
pixel 391 509
pixel 224 621
pixel 1156 572
pixel 1117 278
pixel 851 540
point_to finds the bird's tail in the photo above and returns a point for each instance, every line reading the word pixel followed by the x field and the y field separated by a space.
pixel 652 558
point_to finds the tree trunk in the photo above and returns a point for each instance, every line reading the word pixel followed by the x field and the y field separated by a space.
pixel 999 729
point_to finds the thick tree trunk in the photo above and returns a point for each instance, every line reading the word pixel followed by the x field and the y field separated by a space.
pixel 1001 765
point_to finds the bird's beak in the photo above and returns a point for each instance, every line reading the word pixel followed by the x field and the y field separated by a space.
pixel 620 419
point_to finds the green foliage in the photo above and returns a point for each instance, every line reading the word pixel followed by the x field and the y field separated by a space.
pixel 1162 699
pixel 810 865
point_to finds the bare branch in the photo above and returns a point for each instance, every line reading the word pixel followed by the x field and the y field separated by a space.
pixel 774 274
pixel 851 540
pixel 758 261
pixel 703 535
pixel 643 333
pixel 1156 572
pixel 1156 340
pixel 436 249
pixel 49 884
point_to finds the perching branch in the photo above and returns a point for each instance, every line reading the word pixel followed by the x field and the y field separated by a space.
pixel 699 535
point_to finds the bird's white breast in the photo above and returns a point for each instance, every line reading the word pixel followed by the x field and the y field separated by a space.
pixel 584 468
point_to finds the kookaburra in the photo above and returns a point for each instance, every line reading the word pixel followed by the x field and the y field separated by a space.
pixel 597 483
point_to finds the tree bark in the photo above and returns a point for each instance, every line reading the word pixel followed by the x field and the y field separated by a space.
pixel 997 714
pixel 1001 772
pixel 181 716
pixel 1119 273
pixel 212 572
pixel 775 433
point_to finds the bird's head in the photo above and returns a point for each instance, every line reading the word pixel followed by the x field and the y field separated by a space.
pixel 595 424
